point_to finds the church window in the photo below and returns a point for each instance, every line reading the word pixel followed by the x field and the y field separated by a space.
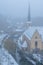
pixel 36 43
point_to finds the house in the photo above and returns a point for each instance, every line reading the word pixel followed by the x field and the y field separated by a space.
pixel 34 38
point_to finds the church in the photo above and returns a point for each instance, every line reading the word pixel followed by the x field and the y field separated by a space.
pixel 32 38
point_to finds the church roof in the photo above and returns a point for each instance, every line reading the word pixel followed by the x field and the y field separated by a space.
pixel 24 45
pixel 31 30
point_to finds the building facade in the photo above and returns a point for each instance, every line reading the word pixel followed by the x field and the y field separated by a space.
pixel 34 39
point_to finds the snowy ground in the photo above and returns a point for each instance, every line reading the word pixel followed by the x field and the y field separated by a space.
pixel 38 57
pixel 6 58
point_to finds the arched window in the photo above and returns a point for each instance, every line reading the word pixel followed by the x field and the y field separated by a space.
pixel 36 44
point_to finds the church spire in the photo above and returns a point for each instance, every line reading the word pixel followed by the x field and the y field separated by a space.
pixel 29 13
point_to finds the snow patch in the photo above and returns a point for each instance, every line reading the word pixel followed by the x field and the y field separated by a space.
pixel 6 58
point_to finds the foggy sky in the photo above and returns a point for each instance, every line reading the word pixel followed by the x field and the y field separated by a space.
pixel 19 8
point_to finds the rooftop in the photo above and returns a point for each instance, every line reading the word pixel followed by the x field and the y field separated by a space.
pixel 31 30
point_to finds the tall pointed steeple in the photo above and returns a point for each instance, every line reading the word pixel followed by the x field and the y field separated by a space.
pixel 29 19
pixel 28 22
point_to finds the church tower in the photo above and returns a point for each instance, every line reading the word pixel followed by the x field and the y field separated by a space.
pixel 28 23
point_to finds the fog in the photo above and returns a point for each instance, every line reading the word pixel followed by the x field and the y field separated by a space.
pixel 19 8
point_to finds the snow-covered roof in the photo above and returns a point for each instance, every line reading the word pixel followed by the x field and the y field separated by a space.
pixel 19 30
pixel 24 45
pixel 2 31
pixel 6 58
pixel 20 38
pixel 29 33
pixel 2 37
